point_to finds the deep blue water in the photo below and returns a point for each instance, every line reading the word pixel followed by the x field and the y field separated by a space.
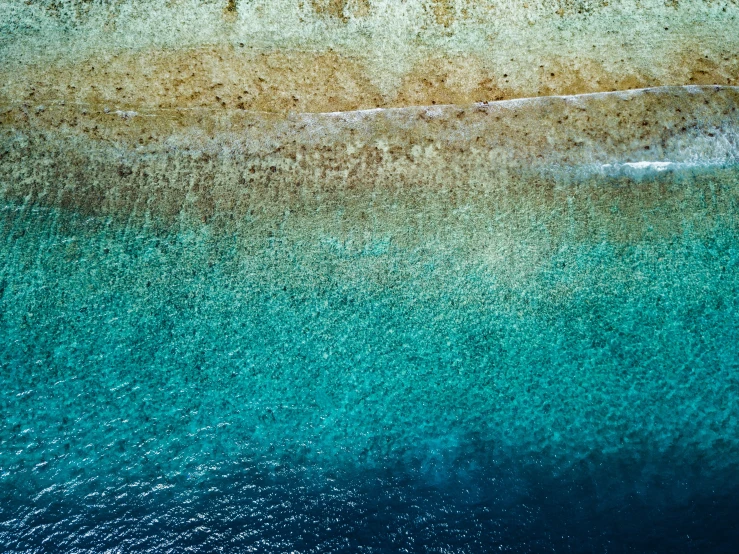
pixel 250 506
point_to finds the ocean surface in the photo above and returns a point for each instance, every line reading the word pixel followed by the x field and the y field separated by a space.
pixel 550 364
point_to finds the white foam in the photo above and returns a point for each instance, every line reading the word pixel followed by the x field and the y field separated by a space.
pixel 658 166
pixel 438 109
pixel 126 114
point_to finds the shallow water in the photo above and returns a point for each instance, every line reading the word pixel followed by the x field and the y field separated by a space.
pixel 161 391
pixel 552 367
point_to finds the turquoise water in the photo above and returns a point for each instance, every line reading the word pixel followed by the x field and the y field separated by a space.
pixel 177 388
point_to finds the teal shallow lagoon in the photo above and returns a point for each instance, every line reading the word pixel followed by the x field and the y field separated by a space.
pixel 455 381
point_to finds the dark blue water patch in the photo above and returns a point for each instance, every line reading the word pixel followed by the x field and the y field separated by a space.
pixel 478 505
